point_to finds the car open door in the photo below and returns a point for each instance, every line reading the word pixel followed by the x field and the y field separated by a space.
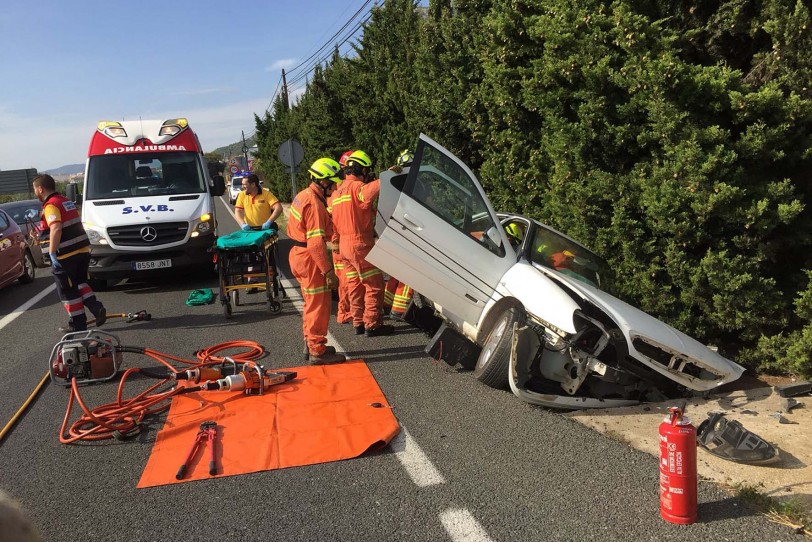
pixel 442 238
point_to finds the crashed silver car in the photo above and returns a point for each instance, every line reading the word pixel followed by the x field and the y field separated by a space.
pixel 529 296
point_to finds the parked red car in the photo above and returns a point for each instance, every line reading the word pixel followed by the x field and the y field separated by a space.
pixel 16 262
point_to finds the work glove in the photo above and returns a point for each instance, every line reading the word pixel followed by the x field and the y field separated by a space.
pixel 246 227
pixel 55 265
pixel 267 225
pixel 331 279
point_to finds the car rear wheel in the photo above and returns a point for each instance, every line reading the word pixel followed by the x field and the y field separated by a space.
pixel 492 366
pixel 29 268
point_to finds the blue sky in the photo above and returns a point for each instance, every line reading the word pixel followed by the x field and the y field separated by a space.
pixel 68 64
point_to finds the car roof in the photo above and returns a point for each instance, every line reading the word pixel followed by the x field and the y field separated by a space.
pixel 12 204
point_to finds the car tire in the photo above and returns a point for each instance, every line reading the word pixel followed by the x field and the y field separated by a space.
pixel 29 269
pixel 492 365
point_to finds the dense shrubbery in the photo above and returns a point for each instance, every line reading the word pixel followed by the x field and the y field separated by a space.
pixel 674 139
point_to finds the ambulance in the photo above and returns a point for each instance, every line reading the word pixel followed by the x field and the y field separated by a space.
pixel 148 200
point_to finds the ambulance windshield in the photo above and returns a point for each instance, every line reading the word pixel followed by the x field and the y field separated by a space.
pixel 144 174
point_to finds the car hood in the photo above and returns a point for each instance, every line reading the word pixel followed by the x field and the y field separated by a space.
pixel 633 321
pixel 139 210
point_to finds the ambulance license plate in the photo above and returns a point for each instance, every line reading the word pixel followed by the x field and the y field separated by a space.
pixel 153 264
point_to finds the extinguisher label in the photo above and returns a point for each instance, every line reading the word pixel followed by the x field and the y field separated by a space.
pixel 677 490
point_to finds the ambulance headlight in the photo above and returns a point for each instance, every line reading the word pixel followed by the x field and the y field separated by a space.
pixel 95 237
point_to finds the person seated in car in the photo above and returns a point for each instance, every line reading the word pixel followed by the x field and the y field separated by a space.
pixel 562 260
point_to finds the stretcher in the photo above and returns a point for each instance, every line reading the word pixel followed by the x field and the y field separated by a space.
pixel 247 260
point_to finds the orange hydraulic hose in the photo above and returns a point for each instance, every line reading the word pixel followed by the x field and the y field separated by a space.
pixel 123 417
pixel 20 411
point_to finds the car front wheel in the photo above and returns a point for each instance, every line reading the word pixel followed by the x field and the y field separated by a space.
pixel 492 366
pixel 29 269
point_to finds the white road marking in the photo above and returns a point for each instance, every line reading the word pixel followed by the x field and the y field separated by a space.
pixel 417 464
pixel 25 306
pixel 460 524
pixel 462 527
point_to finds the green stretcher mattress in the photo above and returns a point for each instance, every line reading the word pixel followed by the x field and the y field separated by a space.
pixel 244 240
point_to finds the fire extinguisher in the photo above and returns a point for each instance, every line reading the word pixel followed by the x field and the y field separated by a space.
pixel 678 480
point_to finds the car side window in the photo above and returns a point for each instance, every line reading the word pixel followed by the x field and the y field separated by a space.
pixel 3 221
pixel 444 188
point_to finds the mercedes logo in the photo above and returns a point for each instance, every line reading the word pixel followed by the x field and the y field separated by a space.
pixel 149 234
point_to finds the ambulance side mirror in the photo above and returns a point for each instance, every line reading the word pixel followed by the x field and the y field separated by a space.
pixel 219 187
pixel 72 193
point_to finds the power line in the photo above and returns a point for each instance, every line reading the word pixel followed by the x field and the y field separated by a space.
pixel 320 60
pixel 334 36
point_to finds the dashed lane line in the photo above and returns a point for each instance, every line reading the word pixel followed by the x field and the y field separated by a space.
pixel 6 320
pixel 461 526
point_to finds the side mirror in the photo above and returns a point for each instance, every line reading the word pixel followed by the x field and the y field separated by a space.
pixel 219 187
pixel 72 192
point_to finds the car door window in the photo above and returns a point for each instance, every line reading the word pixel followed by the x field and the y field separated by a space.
pixel 4 223
pixel 444 188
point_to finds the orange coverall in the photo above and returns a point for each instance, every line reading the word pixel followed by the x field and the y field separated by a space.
pixel 354 219
pixel 343 314
pixel 309 227
pixel 397 297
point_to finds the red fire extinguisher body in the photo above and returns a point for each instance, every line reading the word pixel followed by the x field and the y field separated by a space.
pixel 678 479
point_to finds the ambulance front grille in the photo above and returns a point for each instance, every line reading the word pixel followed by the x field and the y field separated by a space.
pixel 147 235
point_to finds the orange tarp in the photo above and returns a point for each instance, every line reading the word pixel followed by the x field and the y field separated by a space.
pixel 325 414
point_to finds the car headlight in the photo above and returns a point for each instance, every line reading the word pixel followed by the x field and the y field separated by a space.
pixel 95 237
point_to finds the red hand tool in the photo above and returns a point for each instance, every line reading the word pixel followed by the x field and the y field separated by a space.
pixel 208 432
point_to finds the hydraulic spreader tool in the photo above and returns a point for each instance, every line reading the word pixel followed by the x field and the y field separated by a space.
pixel 95 356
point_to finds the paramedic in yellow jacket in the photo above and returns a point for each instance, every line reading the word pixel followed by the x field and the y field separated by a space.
pixel 256 207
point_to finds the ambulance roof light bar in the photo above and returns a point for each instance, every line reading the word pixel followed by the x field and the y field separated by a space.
pixel 173 127
pixel 111 129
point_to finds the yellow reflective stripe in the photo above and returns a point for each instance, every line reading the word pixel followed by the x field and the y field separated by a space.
pixel 360 196
pixel 351 274
pixel 296 214
pixel 342 199
pixel 388 297
pixel 370 273
pixel 315 233
pixel 315 291
pixel 400 305
pixel 338 265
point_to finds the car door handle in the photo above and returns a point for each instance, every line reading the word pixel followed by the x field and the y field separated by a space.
pixel 413 222
pixel 472 298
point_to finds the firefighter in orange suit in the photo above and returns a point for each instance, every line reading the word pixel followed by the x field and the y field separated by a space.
pixel 354 218
pixel 309 228
pixel 343 314
pixel 398 296
pixel 69 250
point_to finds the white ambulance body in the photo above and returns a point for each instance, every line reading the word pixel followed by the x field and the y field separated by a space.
pixel 148 200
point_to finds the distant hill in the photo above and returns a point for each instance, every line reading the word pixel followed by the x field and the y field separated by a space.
pixel 70 169
pixel 234 149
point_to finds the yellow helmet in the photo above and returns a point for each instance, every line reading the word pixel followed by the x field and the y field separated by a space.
pixel 405 158
pixel 359 157
pixel 325 168
pixel 513 230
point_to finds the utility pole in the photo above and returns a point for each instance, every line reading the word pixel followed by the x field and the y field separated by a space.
pixel 244 150
pixel 290 140
pixel 285 90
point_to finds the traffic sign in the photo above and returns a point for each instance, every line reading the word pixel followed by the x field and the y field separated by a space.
pixel 233 162
pixel 290 152
pixel 234 169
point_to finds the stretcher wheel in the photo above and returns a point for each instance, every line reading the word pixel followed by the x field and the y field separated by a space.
pixel 235 297
pixel 227 310
pixel 274 306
